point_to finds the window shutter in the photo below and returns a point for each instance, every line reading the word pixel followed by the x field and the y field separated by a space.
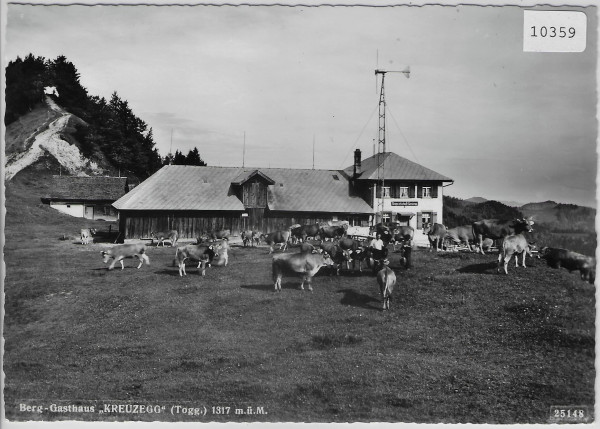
pixel 411 191
pixel 419 221
pixel 419 191
pixel 434 191
pixel 434 217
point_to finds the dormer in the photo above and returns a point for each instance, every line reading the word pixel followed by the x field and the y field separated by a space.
pixel 251 187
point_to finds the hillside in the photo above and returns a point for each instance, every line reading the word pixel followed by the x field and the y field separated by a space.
pixel 85 133
pixel 46 135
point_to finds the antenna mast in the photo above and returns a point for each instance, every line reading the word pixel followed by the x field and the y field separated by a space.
pixel 313 152
pixel 381 135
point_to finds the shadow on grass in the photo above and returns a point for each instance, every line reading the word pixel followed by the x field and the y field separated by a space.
pixel 270 287
pixel 483 268
pixel 355 299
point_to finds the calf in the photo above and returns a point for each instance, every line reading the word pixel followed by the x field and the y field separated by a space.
pixel 513 245
pixel 170 236
pixel 122 251
pixel 276 237
pixel 572 261
pixel 86 234
pixel 203 253
pixel 304 264
pixel 387 280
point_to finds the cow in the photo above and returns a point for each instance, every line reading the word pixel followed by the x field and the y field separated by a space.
pixel 436 234
pixel 305 231
pixel 309 248
pixel 222 257
pixel 121 251
pixel 87 234
pixel 403 235
pixel 355 252
pixel 332 232
pixel 161 237
pixel 572 261
pixel 276 237
pixel 220 234
pixel 249 237
pixel 304 264
pixel 385 230
pixel 337 254
pixel 203 253
pixel 460 235
pixel 513 245
pixel 497 229
pixel 386 278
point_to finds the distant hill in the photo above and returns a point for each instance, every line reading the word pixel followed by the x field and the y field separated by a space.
pixel 556 225
pixel 479 200
pixel 475 200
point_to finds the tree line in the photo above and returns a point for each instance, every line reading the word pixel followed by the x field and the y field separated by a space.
pixel 111 128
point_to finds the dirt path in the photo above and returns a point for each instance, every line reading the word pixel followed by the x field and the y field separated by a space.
pixel 50 141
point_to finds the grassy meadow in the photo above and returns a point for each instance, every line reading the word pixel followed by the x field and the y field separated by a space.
pixel 461 344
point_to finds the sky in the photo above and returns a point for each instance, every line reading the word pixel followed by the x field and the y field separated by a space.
pixel 261 86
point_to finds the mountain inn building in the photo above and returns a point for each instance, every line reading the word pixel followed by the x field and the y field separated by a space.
pixel 195 200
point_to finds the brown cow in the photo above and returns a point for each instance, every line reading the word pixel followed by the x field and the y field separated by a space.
pixel 121 251
pixel 304 264
pixel 436 234
pixel 513 245
pixel 161 237
pixel 203 253
pixel 572 261
pixel 497 229
pixel 276 237
pixel 387 280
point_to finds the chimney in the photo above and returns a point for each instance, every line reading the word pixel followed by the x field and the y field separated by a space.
pixel 357 161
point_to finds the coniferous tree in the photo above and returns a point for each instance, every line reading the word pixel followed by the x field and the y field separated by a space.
pixel 193 158
pixel 179 158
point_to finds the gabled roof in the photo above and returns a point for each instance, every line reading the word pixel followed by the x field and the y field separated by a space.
pixel 395 167
pixel 176 187
pixel 184 187
pixel 244 176
pixel 88 188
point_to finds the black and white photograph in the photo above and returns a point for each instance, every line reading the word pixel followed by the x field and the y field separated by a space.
pixel 308 212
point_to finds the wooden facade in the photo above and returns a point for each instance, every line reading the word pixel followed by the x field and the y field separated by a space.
pixel 192 224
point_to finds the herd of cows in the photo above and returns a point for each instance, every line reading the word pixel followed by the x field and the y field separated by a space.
pixel 336 243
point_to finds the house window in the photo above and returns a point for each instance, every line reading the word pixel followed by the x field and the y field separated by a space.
pixel 426 192
pixel 425 219
pixel 386 192
pixel 403 192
